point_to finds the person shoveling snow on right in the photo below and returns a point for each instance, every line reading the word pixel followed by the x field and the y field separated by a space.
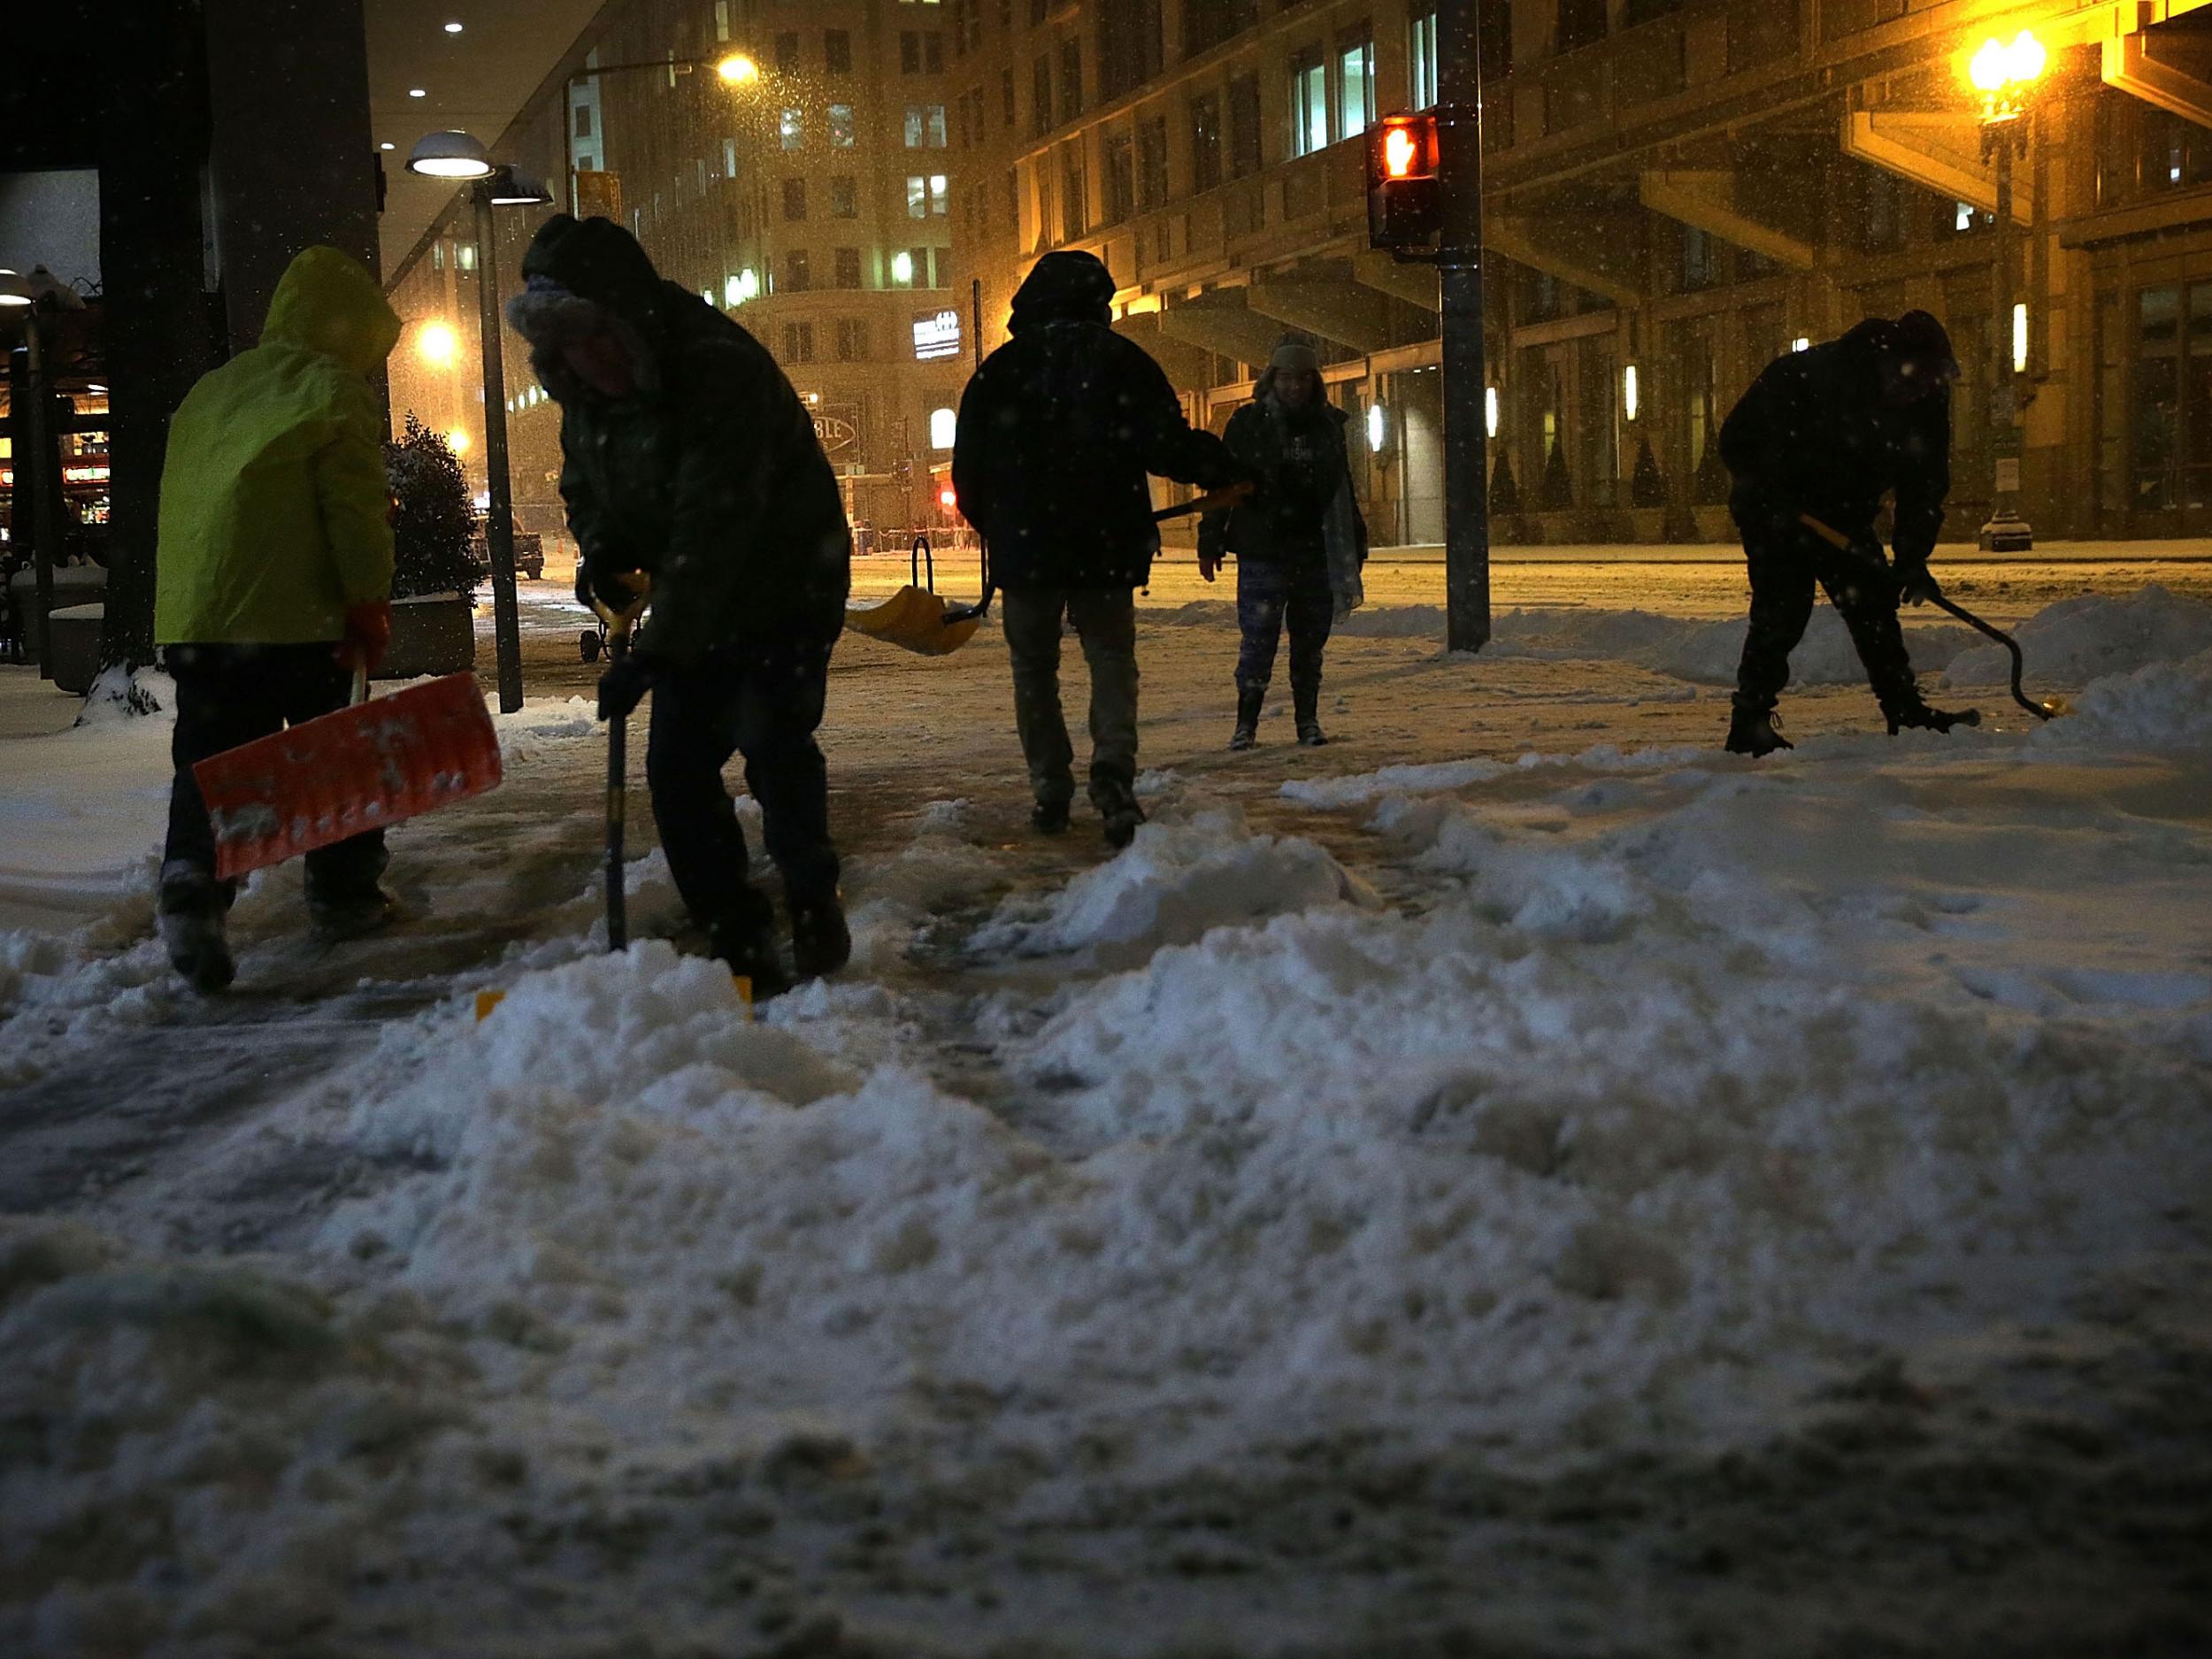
pixel 1814 444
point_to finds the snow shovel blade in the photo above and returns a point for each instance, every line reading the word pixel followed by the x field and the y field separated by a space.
pixel 365 767
pixel 915 620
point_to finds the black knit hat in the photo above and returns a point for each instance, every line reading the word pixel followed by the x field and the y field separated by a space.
pixel 1920 340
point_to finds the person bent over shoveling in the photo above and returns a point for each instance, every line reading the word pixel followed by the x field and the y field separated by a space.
pixel 1057 432
pixel 274 579
pixel 687 456
pixel 1812 448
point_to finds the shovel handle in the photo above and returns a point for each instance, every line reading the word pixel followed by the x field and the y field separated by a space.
pixel 1836 539
pixel 618 623
pixel 1227 496
pixel 2040 710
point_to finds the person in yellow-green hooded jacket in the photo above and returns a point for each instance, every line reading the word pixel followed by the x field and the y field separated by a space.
pixel 274 578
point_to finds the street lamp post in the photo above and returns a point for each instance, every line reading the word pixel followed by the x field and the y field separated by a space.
pixel 737 68
pixel 2005 73
pixel 458 157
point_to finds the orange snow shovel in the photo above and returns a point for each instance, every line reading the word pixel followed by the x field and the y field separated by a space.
pixel 2047 709
pixel 365 767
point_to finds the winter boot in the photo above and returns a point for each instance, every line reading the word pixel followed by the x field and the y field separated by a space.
pixel 1754 732
pixel 1050 817
pixel 1118 813
pixel 1248 733
pixel 351 915
pixel 1918 713
pixel 744 942
pixel 192 931
pixel 1305 702
pixel 820 942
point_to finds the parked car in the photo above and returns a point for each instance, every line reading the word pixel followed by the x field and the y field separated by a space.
pixel 529 553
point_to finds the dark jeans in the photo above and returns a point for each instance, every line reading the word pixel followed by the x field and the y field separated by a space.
pixel 1270 592
pixel 1784 564
pixel 1106 622
pixel 230 694
pixel 764 703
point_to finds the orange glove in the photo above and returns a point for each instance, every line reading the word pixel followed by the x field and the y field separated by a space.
pixel 368 635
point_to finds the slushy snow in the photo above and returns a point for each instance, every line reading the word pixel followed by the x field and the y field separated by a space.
pixel 1643 1135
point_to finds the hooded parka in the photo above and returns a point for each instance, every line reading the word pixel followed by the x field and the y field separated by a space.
pixel 709 478
pixel 1057 430
pixel 1814 435
pixel 275 512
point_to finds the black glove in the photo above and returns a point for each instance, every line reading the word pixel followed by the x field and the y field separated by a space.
pixel 623 686
pixel 1915 585
pixel 595 587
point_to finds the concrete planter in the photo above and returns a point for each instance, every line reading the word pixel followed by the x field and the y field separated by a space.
pixel 74 584
pixel 1714 524
pixel 1647 525
pixel 435 635
pixel 75 631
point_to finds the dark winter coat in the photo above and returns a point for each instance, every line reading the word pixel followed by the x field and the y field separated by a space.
pixel 709 478
pixel 1057 430
pixel 1814 435
pixel 1303 469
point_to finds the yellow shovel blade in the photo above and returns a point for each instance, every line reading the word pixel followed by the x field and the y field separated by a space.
pixel 913 618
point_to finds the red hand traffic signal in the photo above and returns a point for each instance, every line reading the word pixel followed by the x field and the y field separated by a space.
pixel 1405 204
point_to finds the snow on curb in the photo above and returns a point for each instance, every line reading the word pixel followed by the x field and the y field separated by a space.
pixel 2080 640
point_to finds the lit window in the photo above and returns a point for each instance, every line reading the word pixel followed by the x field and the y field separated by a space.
pixel 841 126
pixel 1355 87
pixel 943 424
pixel 792 129
pixel 1423 55
pixel 1308 104
pixel 925 126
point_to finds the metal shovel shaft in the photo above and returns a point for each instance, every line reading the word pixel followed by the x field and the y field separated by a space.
pixel 619 625
pixel 2004 638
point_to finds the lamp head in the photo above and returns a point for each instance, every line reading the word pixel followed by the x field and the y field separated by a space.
pixel 458 156
pixel 510 187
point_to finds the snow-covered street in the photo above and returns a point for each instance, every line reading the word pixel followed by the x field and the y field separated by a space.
pixel 1518 1181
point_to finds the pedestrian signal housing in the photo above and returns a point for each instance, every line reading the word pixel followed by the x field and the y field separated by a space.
pixel 1405 201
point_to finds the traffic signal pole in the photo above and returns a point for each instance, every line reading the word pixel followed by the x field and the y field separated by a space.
pixel 1459 273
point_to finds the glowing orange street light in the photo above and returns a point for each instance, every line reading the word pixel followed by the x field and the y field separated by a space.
pixel 738 69
pixel 2004 71
pixel 438 345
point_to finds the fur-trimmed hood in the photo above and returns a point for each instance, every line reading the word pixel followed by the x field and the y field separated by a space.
pixel 581 277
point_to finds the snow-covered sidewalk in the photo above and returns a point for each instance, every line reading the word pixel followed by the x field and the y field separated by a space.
pixel 1585 1197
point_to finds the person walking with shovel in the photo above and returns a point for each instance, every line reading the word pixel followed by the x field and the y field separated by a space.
pixel 688 458
pixel 1822 435
pixel 1057 433
pixel 274 580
